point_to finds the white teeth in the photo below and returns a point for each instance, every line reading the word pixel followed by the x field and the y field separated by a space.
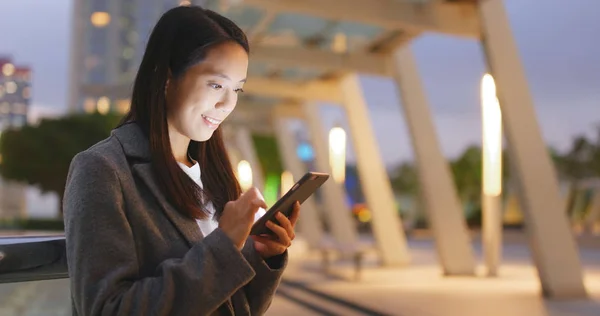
pixel 211 120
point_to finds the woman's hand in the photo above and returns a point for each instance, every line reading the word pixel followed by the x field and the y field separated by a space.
pixel 269 246
pixel 238 216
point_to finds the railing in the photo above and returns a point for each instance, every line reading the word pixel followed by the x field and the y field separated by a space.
pixel 25 258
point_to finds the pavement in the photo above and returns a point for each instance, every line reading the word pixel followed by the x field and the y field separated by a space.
pixel 415 290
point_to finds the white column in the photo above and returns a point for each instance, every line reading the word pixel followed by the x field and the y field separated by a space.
pixel 387 226
pixel 437 189
pixel 309 224
pixel 247 151
pixel 553 246
pixel 339 218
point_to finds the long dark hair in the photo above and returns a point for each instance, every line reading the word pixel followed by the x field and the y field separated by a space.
pixel 180 40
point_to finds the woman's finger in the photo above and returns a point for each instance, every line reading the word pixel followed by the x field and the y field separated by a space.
pixel 295 214
pixel 281 233
pixel 270 243
pixel 285 223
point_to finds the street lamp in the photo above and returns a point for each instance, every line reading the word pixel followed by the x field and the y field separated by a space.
pixel 337 154
pixel 491 115
pixel 244 172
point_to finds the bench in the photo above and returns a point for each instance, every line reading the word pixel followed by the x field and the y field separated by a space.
pixel 353 252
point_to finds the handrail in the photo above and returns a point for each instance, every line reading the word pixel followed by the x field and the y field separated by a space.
pixel 32 258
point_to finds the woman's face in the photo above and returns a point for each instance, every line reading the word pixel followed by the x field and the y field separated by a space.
pixel 206 94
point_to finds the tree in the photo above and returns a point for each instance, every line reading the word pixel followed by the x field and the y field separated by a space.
pixel 404 179
pixel 40 155
pixel 467 172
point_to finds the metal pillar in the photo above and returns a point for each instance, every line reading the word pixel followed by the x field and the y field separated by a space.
pixel 387 226
pixel 436 186
pixel 552 243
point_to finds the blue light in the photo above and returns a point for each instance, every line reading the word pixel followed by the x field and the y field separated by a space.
pixel 305 152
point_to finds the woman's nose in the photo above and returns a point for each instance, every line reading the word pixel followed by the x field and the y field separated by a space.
pixel 227 102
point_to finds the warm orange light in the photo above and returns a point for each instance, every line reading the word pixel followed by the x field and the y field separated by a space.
pixel 337 154
pixel 492 137
pixel 340 43
pixel 100 19
pixel 244 173
pixel 123 106
pixel 103 105
pixel 8 69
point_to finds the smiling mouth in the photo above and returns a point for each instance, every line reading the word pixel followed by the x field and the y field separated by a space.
pixel 211 120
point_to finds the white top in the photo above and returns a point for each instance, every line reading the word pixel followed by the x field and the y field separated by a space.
pixel 209 224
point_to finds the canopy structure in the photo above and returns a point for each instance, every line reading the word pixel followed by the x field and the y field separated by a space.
pixel 308 51
pixel 299 48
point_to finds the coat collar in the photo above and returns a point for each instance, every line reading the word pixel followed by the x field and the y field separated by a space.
pixel 134 141
pixel 136 147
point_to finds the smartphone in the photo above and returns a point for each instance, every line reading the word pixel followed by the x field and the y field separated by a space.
pixel 300 191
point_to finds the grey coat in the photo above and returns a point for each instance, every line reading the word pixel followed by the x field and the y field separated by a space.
pixel 131 253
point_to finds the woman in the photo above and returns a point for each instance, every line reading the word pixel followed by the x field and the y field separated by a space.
pixel 156 223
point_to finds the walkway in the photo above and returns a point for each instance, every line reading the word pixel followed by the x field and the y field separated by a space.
pixel 415 291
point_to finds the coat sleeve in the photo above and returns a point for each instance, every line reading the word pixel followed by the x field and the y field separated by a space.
pixel 261 290
pixel 104 268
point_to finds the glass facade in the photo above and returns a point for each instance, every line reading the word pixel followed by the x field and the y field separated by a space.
pixel 113 42
pixel 15 92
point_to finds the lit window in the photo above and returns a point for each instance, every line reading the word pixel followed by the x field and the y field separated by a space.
pixel 3 124
pixel 25 76
pixel 185 3
pixel 4 108
pixel 8 69
pixel 19 108
pixel 103 105
pixel 11 87
pixel 100 19
pixel 26 93
pixel 91 62
pixel 89 105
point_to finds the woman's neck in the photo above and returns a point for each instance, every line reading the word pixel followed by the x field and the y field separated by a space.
pixel 179 147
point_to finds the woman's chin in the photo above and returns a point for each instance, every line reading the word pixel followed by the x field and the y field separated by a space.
pixel 202 137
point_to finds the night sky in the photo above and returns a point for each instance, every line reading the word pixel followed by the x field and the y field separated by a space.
pixel 558 42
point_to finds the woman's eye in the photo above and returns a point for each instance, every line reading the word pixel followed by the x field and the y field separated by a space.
pixel 216 86
pixel 240 90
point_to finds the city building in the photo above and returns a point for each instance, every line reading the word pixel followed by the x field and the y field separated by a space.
pixel 15 94
pixel 108 43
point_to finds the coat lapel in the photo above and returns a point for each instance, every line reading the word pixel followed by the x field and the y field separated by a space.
pixel 137 148
pixel 186 226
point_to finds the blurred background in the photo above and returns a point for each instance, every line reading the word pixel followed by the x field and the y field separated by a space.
pixel 67 66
